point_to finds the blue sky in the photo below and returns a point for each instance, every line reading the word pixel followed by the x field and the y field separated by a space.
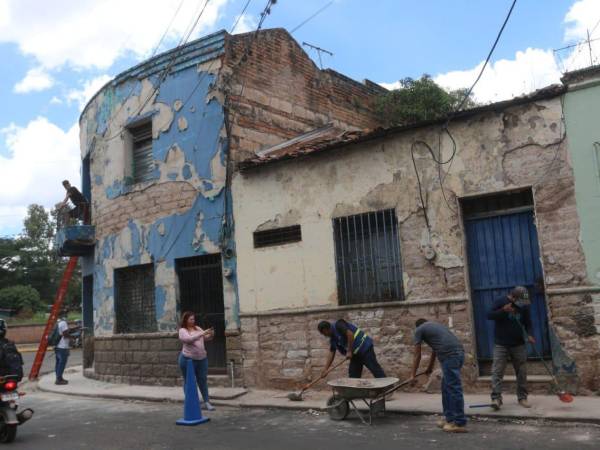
pixel 57 54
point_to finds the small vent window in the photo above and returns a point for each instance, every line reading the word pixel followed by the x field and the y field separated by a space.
pixel 143 162
pixel 134 299
pixel 278 236
pixel 497 203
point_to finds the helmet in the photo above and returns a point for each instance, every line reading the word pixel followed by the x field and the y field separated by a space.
pixel 2 328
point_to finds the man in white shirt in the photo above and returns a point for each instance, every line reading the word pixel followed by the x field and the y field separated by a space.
pixel 62 350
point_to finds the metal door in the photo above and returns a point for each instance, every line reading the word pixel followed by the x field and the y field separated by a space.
pixel 201 291
pixel 503 252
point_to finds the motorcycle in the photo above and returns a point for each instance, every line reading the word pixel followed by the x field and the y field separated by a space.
pixel 9 402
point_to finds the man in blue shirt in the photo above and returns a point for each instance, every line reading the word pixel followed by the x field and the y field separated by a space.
pixel 512 328
pixel 352 342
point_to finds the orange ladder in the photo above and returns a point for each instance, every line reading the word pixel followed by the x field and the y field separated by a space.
pixel 56 307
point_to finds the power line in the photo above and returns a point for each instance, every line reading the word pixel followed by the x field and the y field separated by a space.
pixel 305 21
pixel 240 16
pixel 154 52
pixel 447 131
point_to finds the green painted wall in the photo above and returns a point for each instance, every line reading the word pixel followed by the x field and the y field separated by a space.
pixel 582 116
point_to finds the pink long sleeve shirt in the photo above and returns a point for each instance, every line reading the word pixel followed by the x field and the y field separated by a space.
pixel 193 344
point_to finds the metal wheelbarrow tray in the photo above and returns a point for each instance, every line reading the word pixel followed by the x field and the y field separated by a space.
pixel 371 391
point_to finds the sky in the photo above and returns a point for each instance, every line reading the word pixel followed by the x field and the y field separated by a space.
pixel 56 55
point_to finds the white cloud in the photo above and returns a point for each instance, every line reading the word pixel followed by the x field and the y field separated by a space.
pixel 506 78
pixel 40 156
pixel 36 79
pixel 90 87
pixel 245 23
pixel 55 101
pixel 581 17
pixel 391 86
pixel 93 34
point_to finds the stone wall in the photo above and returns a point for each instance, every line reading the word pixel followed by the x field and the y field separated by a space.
pixel 151 359
pixel 284 350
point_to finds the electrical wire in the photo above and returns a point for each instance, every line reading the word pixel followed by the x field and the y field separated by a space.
pixel 240 16
pixel 153 54
pixel 445 129
pixel 305 21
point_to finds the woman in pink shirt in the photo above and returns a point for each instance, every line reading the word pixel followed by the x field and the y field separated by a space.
pixel 193 338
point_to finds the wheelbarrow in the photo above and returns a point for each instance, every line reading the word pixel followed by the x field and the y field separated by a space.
pixel 347 392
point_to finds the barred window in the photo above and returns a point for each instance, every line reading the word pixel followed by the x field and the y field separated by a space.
pixel 143 162
pixel 134 299
pixel 367 252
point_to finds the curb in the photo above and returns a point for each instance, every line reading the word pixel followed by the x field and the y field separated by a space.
pixel 298 406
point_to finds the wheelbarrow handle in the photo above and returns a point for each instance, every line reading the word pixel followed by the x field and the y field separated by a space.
pixel 400 384
pixel 327 372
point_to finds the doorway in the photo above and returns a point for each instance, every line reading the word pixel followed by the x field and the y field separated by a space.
pixel 503 252
pixel 201 291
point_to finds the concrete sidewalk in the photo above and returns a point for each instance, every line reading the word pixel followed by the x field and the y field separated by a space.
pixel 583 409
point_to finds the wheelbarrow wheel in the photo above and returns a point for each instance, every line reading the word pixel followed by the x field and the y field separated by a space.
pixel 337 407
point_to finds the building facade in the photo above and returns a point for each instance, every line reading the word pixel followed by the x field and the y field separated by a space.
pixel 157 146
pixel 370 228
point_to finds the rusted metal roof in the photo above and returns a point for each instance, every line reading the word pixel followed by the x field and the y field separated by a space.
pixel 330 138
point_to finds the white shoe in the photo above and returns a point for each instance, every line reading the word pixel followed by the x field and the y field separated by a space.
pixel 207 406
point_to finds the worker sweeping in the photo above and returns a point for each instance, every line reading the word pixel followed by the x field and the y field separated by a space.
pixel 352 342
pixel 511 316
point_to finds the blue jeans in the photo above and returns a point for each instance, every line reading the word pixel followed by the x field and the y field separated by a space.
pixel 201 372
pixel 452 392
pixel 62 355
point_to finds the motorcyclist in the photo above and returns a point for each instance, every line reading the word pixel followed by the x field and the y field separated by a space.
pixel 7 348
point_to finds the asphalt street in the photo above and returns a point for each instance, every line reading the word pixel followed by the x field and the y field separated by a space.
pixel 75 359
pixel 65 422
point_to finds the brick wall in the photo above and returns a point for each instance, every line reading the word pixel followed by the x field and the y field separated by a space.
pixel 146 206
pixel 25 334
pixel 285 94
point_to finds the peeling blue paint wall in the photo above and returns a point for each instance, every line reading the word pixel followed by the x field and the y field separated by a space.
pixel 189 148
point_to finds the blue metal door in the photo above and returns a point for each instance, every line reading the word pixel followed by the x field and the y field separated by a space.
pixel 503 252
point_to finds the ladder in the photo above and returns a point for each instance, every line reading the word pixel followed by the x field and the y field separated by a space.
pixel 56 307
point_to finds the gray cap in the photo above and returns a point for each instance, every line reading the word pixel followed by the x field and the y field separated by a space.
pixel 519 292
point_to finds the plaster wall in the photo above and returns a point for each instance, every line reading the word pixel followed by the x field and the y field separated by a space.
pixel 582 109
pixel 179 211
pixel 520 146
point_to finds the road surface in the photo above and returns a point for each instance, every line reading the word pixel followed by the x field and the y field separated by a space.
pixel 66 422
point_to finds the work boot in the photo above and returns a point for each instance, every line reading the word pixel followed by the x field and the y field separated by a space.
pixel 453 428
pixel 524 403
pixel 61 382
pixel 442 423
pixel 496 404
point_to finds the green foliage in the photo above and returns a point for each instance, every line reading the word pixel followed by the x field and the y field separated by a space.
pixel 417 101
pixel 30 259
pixel 20 297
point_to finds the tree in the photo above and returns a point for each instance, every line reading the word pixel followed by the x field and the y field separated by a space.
pixel 417 101
pixel 24 299
pixel 30 259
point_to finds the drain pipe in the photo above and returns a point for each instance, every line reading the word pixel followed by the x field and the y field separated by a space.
pixel 232 372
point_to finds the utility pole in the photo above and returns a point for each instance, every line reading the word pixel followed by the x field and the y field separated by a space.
pixel 319 51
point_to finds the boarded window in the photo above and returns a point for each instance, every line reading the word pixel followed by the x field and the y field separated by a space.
pixel 143 162
pixel 367 253
pixel 134 299
pixel 277 236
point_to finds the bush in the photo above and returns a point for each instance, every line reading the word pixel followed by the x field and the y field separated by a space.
pixel 20 298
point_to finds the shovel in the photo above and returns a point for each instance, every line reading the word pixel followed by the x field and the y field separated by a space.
pixel 297 396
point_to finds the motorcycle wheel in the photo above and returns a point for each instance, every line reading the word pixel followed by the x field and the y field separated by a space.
pixel 8 433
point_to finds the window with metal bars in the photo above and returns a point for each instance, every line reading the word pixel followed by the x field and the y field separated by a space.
pixel 134 299
pixel 367 253
pixel 142 159
pixel 277 236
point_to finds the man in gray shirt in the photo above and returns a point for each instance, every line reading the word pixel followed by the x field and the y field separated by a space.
pixel 448 349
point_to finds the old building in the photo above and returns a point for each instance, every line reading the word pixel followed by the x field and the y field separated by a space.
pixel 368 226
pixel 157 143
